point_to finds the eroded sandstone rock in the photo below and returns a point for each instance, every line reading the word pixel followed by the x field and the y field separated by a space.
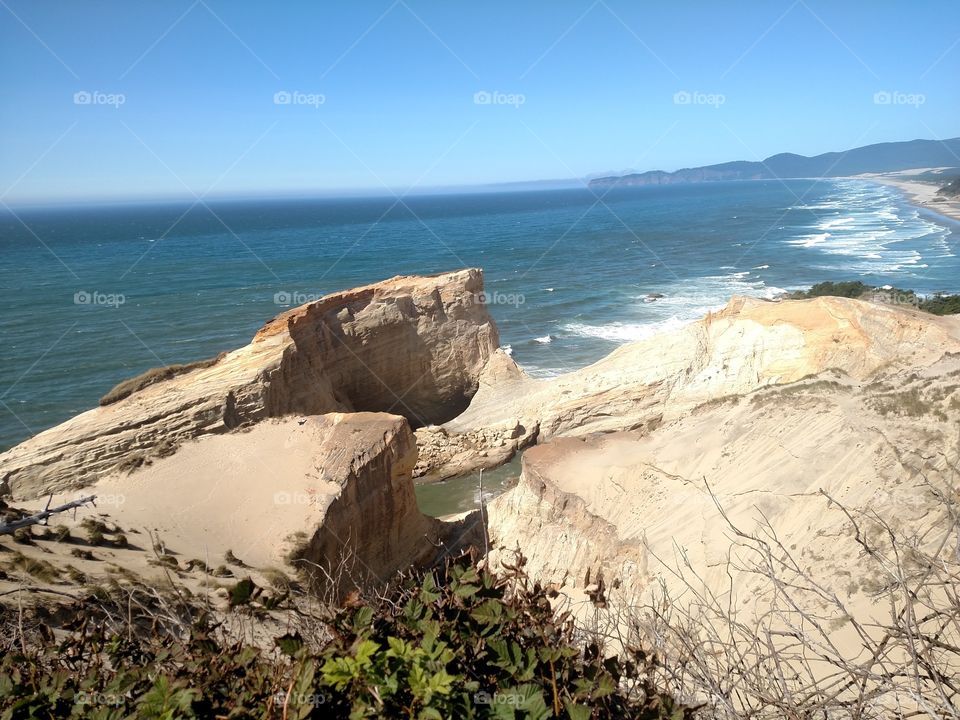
pixel 414 346
pixel 445 455
pixel 634 507
pixel 328 497
pixel 748 345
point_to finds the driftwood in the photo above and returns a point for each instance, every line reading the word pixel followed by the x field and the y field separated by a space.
pixel 7 528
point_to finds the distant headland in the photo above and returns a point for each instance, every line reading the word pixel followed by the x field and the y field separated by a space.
pixel 877 158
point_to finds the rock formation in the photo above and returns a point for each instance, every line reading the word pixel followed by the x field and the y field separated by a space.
pixel 698 402
pixel 445 455
pixel 332 494
pixel 414 346
pixel 629 505
pixel 748 345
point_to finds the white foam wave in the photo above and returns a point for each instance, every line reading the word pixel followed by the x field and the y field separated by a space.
pixel 809 241
pixel 836 222
pixel 624 332
pixel 772 292
pixel 543 372
pixel 872 230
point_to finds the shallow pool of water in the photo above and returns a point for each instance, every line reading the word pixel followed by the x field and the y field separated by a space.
pixel 462 494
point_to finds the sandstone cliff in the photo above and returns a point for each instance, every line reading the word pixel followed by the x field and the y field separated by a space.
pixel 329 495
pixel 414 346
pixel 633 506
pixel 748 345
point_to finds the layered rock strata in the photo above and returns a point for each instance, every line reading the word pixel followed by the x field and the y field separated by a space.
pixel 748 345
pixel 413 346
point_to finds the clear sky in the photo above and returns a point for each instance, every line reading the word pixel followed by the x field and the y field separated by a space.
pixel 114 98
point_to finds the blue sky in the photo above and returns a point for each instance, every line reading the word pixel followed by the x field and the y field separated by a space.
pixel 382 94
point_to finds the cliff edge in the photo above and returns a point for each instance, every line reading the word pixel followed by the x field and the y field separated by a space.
pixel 412 346
pixel 748 345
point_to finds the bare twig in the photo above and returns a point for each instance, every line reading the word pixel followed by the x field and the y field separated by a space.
pixel 37 518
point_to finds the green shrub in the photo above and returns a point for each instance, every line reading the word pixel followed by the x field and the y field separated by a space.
pixel 951 189
pixel 938 304
pixel 455 643
pixel 941 304
pixel 849 289
pixel 35 567
pixel 23 535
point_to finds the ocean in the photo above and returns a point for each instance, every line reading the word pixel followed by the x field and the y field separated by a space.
pixel 94 295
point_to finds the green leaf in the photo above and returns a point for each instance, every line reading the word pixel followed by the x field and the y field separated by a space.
pixel 489 612
pixel 165 701
pixel 413 610
pixel 339 672
pixel 398 648
pixel 363 618
pixel 365 652
pixel 290 644
pixel 577 712
pixel 466 591
pixel 302 696
pixel 527 698
pixel 242 592
pixel 605 686
pixel 429 593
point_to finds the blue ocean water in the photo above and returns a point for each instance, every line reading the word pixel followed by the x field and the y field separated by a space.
pixel 94 295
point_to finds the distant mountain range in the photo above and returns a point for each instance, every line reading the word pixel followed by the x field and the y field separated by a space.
pixel 882 157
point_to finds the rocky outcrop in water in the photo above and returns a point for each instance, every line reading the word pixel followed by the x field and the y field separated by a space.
pixel 446 455
pixel 413 346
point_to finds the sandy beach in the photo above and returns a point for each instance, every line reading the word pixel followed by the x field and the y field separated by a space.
pixel 921 193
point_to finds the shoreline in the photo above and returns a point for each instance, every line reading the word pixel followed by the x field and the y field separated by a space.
pixel 919 193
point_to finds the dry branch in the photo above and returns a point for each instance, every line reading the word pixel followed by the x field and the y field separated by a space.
pixel 8 528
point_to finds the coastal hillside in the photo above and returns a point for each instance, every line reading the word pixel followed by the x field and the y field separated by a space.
pixel 427 360
pixel 726 480
pixel 877 158
pixel 951 189
pixel 748 345
pixel 816 518
pixel 628 506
